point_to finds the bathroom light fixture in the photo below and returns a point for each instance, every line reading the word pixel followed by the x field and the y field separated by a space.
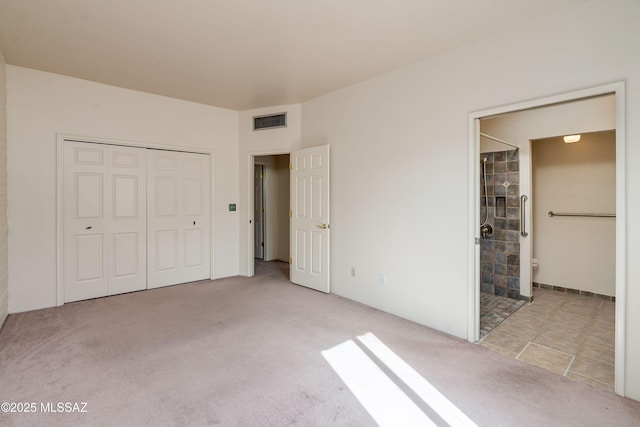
pixel 571 138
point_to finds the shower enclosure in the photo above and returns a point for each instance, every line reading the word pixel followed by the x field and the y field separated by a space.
pixel 500 223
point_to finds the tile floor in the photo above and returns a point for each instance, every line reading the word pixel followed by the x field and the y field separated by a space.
pixel 494 310
pixel 571 335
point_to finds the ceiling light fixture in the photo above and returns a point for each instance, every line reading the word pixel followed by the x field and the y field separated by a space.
pixel 571 138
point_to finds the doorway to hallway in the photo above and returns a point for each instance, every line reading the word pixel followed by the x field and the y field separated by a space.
pixel 258 211
pixel 271 208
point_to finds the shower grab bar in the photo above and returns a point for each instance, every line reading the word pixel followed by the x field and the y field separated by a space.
pixel 523 229
pixel 590 215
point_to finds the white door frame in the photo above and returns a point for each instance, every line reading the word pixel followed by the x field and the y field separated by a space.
pixel 251 161
pixel 618 88
pixel 60 139
pixel 264 206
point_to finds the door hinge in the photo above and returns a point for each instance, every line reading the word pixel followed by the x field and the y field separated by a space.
pixel 261 176
pixel 290 260
pixel 290 166
pixel 261 209
pixel 477 240
pixel 290 213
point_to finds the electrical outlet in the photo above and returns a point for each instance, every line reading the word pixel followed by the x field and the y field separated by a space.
pixel 353 272
pixel 382 279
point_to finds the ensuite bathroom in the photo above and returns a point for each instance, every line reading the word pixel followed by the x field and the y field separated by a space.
pixel 565 240
pixel 548 237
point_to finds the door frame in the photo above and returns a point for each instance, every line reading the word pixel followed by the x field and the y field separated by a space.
pixel 617 88
pixel 264 206
pixel 60 139
pixel 251 162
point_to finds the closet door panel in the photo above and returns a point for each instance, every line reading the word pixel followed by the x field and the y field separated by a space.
pixel 163 225
pixel 84 223
pixel 128 219
pixel 104 224
pixel 178 218
pixel 89 258
pixel 196 245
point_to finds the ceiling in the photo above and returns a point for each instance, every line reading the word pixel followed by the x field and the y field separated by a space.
pixel 244 54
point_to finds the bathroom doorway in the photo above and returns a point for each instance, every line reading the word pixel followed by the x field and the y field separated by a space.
pixel 524 125
pixel 569 326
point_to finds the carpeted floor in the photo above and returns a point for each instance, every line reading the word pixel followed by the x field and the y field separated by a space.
pixel 247 352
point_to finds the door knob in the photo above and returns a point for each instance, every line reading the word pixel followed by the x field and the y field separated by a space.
pixel 323 226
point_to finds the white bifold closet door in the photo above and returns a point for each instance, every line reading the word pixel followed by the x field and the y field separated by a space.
pixel 178 249
pixel 104 221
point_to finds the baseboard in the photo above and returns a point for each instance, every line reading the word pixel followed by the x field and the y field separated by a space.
pixel 573 291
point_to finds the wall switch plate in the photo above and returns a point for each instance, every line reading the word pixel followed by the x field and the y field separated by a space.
pixel 353 272
pixel 382 279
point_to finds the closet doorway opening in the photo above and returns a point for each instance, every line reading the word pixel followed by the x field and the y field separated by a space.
pixel 130 216
pixel 523 128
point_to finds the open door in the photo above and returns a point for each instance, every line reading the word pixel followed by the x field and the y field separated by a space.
pixel 310 217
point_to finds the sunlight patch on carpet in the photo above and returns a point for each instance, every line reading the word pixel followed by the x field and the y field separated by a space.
pixel 380 395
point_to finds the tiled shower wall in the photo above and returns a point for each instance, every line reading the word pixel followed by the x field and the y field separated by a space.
pixel 500 251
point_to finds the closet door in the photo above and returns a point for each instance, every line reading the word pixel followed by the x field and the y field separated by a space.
pixel 128 224
pixel 104 223
pixel 178 248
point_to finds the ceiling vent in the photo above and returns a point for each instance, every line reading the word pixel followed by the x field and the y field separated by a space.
pixel 270 121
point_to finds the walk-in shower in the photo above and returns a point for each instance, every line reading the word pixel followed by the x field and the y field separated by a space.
pixel 500 222
pixel 485 228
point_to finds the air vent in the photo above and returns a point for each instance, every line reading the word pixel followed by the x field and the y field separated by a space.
pixel 269 122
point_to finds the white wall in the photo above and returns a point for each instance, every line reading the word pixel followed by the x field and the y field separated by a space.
pixel 255 143
pixel 40 105
pixel 4 276
pixel 399 158
pixel 576 253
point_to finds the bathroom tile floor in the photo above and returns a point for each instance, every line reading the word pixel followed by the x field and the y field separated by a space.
pixel 571 335
pixel 494 310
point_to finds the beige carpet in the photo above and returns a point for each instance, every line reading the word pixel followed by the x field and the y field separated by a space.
pixel 247 352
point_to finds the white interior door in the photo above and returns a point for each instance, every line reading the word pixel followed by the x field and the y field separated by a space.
pixel 310 218
pixel 104 223
pixel 178 218
pixel 259 212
